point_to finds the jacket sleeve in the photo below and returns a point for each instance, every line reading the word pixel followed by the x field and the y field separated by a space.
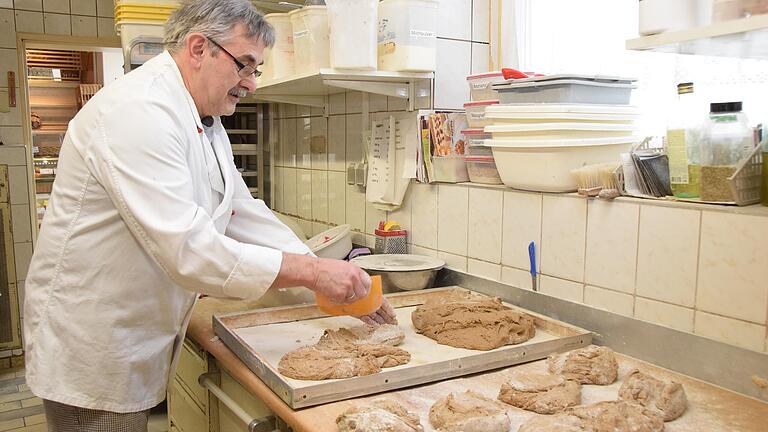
pixel 142 164
pixel 254 223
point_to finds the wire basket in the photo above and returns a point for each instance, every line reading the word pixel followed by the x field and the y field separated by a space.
pixel 746 182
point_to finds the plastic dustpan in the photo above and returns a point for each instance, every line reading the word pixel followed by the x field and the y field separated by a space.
pixel 364 306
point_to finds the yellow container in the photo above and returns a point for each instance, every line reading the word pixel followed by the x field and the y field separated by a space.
pixel 363 306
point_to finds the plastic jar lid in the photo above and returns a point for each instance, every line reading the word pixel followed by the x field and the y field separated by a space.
pixel 485 75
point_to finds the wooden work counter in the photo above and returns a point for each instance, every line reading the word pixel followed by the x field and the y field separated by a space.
pixel 710 408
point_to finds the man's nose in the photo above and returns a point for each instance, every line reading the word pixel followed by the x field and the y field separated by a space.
pixel 249 83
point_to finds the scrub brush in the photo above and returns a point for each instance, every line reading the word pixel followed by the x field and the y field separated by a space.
pixel 608 182
pixel 588 180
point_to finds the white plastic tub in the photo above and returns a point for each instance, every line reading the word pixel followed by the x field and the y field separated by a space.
pixel 407 36
pixel 545 165
pixel 481 85
pixel 311 45
pixel 570 89
pixel 482 169
pixel 353 33
pixel 556 113
pixel 549 131
pixel 476 113
pixel 334 243
pixel 279 62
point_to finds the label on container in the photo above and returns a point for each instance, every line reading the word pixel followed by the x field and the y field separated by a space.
pixel 422 34
pixel 300 34
pixel 481 86
pixel 477 115
pixel 677 152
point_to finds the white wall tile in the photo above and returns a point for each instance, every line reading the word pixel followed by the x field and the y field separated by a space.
pixel 56 6
pixel 288 146
pixel 354 102
pixel 612 301
pixel 337 191
pixel 105 8
pixel 481 20
pixel 290 191
pixel 21 225
pixel 29 22
pixel 516 277
pixel 305 226
pixel 11 135
pixel 303 138
pixel 731 331
pixel 563 289
pixel 337 143
pixel 372 217
pixel 318 142
pixel 287 110
pixel 337 104
pixel 377 103
pixel 17 179
pixel 7 30
pixel 22 254
pixel 316 111
pixel 484 269
pixel 105 27
pixel 354 141
pixel 454 262
pixel 359 239
pixel 304 197
pixel 11 154
pixel 13 116
pixel 396 104
pixel 454 63
pixel 8 63
pixel 84 26
pixel 6 4
pixel 34 5
pixel 733 266
pixel 452 212
pixel 320 196
pixel 481 54
pixel 563 232
pixel 318 228
pixel 303 110
pixel 424 215
pixel 58 24
pixel 454 19
pixel 611 256
pixel 522 225
pixel 418 250
pixel 277 196
pixel 83 7
pixel 665 314
pixel 485 224
pixel 403 214
pixel 355 201
pixel 667 254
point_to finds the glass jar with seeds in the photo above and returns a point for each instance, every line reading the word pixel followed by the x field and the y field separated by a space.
pixel 726 139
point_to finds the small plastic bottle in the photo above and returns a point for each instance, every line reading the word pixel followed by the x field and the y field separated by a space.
pixel 726 139
pixel 682 144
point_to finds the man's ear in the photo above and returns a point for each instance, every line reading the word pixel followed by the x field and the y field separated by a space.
pixel 196 46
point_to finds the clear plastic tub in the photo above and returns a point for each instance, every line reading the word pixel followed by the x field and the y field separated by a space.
pixel 567 89
pixel 279 62
pixel 559 130
pixel 476 113
pixel 482 169
pixel 407 37
pixel 311 45
pixel 545 165
pixel 353 33
pixel 450 169
pixel 481 85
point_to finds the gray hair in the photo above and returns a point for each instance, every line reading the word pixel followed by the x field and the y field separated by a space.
pixel 215 19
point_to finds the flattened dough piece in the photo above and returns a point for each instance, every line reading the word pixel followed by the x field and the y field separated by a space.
pixel 667 399
pixel 472 322
pixel 540 392
pixel 590 365
pixel 468 412
pixel 380 415
pixel 610 416
pixel 321 363
pixel 385 334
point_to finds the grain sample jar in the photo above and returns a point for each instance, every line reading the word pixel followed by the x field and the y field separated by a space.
pixel 726 140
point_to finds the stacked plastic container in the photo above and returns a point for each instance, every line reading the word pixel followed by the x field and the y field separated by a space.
pixel 407 35
pixel 279 59
pixel 544 127
pixel 311 45
pixel 481 165
pixel 353 33
pixel 141 20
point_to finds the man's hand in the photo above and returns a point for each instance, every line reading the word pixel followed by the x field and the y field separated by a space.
pixel 385 315
pixel 340 281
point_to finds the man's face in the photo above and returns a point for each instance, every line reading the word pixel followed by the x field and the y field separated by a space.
pixel 224 86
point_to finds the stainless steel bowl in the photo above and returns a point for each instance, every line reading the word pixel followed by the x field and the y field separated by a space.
pixel 401 272
pixel 394 281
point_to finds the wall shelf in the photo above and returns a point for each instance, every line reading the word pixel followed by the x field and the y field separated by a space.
pixel 741 38
pixel 313 88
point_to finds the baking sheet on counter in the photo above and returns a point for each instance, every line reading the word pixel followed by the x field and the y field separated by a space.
pixel 261 337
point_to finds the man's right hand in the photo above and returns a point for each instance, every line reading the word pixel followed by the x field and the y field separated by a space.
pixel 340 282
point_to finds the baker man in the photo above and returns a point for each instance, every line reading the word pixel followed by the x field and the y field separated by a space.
pixel 148 210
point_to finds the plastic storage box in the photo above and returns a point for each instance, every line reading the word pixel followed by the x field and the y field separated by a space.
pixel 567 89
pixel 407 35
pixel 279 62
pixel 353 33
pixel 545 165
pixel 481 85
pixel 476 113
pixel 558 113
pixel 559 130
pixel 311 46
pixel 482 169
pixel 475 137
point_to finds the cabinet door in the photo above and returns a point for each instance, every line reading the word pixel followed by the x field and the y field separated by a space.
pixel 184 412
pixel 4 183
pixel 228 421
pixel 10 336
pixel 192 364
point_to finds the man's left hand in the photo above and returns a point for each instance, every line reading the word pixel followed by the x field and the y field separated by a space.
pixel 385 315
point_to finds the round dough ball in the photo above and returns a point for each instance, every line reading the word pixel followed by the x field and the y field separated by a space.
pixel 380 415
pixel 590 365
pixel 540 392
pixel 667 399
pixel 468 412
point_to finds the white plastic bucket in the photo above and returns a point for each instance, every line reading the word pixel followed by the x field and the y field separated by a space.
pixel 279 62
pixel 353 33
pixel 334 243
pixel 311 45
pixel 407 36
pixel 555 113
pixel 539 131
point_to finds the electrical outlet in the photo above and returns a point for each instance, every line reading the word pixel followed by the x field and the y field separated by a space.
pixel 351 173
pixel 361 174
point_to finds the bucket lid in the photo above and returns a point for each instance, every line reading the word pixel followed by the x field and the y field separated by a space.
pixel 579 77
pixel 560 143
pixel 478 103
pixel 516 84
pixel 536 127
pixel 485 75
pixel 398 262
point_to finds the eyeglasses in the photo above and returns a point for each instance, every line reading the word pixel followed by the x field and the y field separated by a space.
pixel 243 70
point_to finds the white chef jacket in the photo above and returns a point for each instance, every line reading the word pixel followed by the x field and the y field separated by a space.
pixel 131 235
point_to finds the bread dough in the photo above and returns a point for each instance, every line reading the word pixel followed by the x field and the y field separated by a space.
pixel 468 412
pixel 609 416
pixel 540 392
pixel 667 399
pixel 379 415
pixel 590 365
pixel 386 334
pixel 472 322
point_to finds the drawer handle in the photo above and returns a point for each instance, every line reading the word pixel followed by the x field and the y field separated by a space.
pixel 264 424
